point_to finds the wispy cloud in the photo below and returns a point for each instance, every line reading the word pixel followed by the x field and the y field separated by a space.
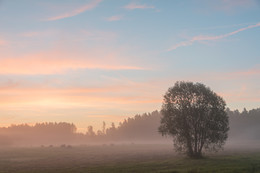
pixel 32 34
pixel 58 97
pixel 115 18
pixel 250 72
pixel 77 11
pixel 253 72
pixel 57 62
pixel 8 84
pixel 209 38
pixel 133 6
pixel 40 94
pixel 241 94
pixel 245 74
pixel 228 5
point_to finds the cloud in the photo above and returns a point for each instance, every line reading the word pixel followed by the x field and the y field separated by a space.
pixel 40 98
pixel 241 94
pixel 59 62
pixel 103 96
pixel 75 12
pixel 67 54
pixel 115 18
pixel 133 6
pixel 210 38
pixel 8 84
pixel 239 75
pixel 253 72
pixel 250 72
pixel 228 5
pixel 37 33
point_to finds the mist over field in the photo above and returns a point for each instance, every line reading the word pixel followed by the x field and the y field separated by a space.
pixel 129 86
pixel 133 146
pixel 140 129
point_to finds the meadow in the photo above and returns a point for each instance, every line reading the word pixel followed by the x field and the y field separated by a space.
pixel 124 158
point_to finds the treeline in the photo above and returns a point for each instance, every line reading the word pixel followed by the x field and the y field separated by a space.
pixel 244 126
pixel 40 133
pixel 139 128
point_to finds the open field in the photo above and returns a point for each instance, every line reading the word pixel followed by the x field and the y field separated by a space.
pixel 123 158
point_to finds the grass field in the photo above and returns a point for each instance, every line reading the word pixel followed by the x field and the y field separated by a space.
pixel 124 158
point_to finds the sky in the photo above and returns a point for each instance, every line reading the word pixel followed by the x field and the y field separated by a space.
pixel 89 61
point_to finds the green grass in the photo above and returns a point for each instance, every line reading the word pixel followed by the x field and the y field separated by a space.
pixel 124 158
pixel 221 164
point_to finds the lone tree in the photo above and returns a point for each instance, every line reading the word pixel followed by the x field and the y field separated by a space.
pixel 195 117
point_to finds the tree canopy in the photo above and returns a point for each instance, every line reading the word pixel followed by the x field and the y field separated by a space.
pixel 195 117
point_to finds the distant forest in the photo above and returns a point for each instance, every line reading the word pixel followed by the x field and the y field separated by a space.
pixel 244 125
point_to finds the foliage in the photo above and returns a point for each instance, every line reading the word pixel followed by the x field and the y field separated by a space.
pixel 195 117
pixel 139 127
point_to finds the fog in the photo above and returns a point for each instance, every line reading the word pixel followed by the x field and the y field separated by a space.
pixel 140 129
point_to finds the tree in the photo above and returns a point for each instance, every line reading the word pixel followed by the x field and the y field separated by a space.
pixel 90 131
pixel 195 117
pixel 245 112
pixel 104 127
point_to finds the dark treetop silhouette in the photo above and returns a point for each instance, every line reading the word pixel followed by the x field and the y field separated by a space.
pixel 195 117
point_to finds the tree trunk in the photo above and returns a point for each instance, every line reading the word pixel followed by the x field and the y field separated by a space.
pixel 190 149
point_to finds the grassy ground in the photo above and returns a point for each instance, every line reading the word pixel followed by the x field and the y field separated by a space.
pixel 124 158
